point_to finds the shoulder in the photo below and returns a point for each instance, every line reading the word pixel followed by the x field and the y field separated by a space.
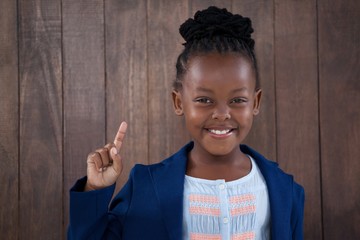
pixel 263 163
pixel 271 169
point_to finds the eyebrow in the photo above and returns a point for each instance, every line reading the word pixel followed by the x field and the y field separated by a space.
pixel 202 89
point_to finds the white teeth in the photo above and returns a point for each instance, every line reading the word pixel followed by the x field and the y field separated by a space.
pixel 219 132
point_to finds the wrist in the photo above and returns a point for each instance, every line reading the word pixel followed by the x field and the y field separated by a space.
pixel 88 187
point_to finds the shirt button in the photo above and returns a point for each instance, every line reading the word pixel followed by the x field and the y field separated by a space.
pixel 225 220
pixel 222 186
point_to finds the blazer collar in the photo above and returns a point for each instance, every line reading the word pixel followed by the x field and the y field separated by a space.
pixel 169 186
pixel 279 187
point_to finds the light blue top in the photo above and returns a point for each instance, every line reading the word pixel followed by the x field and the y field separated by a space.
pixel 215 209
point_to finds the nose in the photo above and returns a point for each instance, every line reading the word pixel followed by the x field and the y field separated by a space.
pixel 221 113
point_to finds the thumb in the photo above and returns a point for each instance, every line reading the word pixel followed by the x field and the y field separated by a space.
pixel 117 162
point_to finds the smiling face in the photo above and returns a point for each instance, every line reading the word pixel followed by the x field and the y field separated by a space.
pixel 218 100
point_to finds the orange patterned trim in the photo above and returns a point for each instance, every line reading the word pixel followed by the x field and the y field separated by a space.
pixel 199 210
pixel 199 236
pixel 242 210
pixel 244 236
pixel 242 198
pixel 204 198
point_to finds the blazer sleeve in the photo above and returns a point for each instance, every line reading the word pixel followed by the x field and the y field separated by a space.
pixel 297 213
pixel 90 216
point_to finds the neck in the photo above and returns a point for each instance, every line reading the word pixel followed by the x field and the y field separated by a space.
pixel 231 166
pixel 201 156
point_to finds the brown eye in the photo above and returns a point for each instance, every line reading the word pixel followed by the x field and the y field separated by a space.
pixel 238 100
pixel 203 100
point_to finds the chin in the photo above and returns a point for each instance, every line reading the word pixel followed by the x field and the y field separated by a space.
pixel 221 152
pixel 218 149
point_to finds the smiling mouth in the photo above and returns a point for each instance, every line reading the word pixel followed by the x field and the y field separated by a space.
pixel 220 132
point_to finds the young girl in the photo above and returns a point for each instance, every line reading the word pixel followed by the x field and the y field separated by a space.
pixel 213 188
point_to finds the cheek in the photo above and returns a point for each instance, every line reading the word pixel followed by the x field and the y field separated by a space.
pixel 192 116
pixel 195 117
pixel 245 117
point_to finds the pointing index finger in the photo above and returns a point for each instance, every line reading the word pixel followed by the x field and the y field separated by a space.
pixel 120 135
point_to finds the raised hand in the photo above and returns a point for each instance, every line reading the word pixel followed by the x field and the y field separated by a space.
pixel 104 166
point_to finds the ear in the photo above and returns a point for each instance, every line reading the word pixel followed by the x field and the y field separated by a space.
pixel 257 101
pixel 177 103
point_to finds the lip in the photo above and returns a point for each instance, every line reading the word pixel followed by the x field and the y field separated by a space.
pixel 220 131
pixel 220 127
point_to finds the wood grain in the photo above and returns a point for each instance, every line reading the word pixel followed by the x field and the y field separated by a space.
pixel 41 213
pixel 84 86
pixel 196 5
pixel 339 72
pixel 127 82
pixel 262 135
pixel 166 130
pixel 9 120
pixel 297 103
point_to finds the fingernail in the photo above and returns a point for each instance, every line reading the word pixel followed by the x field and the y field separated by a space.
pixel 114 151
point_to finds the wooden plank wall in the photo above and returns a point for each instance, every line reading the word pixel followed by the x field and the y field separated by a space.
pixel 9 122
pixel 40 116
pixel 70 71
pixel 339 99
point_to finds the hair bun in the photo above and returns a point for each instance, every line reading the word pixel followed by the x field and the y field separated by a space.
pixel 217 22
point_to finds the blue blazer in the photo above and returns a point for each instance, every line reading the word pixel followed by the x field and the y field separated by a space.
pixel 150 205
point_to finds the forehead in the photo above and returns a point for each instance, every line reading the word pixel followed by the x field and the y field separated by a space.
pixel 220 71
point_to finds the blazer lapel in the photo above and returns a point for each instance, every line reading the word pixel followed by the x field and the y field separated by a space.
pixel 280 194
pixel 168 182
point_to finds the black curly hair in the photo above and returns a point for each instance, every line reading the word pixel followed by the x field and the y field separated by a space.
pixel 215 30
